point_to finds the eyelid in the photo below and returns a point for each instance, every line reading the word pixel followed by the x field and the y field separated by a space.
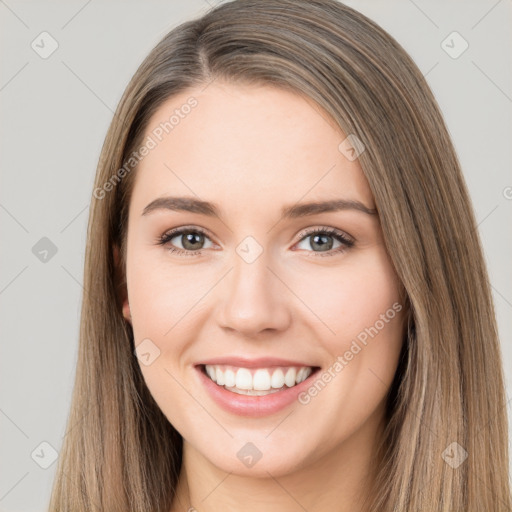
pixel 325 229
pixel 171 233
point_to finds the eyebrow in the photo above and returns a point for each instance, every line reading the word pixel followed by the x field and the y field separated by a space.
pixel 193 205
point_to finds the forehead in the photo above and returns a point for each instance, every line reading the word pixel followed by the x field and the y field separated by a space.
pixel 246 145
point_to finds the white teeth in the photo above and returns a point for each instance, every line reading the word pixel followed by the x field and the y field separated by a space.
pixel 289 378
pixel 210 370
pixel 243 379
pixel 303 374
pixel 261 381
pixel 229 378
pixel 220 377
pixel 278 379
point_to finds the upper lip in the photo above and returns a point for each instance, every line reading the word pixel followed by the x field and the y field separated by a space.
pixel 259 362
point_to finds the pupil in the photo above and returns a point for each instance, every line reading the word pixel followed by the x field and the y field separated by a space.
pixel 189 239
pixel 322 245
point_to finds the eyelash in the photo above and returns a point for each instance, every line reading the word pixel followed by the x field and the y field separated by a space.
pixel 338 235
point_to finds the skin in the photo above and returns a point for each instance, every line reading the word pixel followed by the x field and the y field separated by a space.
pixel 253 150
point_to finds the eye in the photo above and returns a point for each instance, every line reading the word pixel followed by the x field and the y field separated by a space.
pixel 191 239
pixel 322 239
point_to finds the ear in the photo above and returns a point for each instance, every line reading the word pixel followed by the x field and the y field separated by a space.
pixel 122 290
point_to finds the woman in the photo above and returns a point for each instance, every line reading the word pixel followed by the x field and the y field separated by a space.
pixel 286 305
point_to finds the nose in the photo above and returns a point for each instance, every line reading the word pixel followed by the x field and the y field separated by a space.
pixel 253 299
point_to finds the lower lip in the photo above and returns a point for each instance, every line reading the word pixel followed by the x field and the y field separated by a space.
pixel 253 406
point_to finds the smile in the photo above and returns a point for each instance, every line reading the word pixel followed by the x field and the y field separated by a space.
pixel 257 387
pixel 257 381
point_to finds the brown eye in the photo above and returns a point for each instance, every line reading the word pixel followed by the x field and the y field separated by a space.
pixel 191 241
pixel 185 240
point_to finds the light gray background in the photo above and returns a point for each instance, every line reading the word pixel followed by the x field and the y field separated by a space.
pixel 54 115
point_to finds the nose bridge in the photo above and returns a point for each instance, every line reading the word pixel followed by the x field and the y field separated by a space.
pixel 253 298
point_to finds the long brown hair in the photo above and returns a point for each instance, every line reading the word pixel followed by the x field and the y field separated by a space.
pixel 120 452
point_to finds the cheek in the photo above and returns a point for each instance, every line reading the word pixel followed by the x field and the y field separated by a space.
pixel 360 326
pixel 165 297
pixel 348 299
pixel 165 302
pixel 362 316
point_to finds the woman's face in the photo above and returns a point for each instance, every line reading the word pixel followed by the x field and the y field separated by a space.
pixel 266 291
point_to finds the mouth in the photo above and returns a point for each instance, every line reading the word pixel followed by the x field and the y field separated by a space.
pixel 254 387
pixel 257 382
